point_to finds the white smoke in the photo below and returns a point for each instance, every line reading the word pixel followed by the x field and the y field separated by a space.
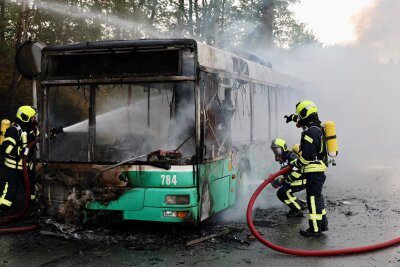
pixel 357 86
pixel 378 32
pixel 354 85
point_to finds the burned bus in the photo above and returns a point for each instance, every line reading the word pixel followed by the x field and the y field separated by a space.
pixel 154 129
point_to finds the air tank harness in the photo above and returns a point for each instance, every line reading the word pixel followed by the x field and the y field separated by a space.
pixel 23 212
pixel 299 252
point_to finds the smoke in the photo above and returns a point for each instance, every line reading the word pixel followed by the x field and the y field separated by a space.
pixel 377 30
pixel 129 124
pixel 98 17
pixel 356 86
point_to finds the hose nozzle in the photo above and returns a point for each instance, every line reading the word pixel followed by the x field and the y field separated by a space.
pixel 54 131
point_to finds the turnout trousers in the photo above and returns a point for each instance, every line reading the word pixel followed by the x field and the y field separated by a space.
pixel 315 201
pixel 285 194
pixel 12 191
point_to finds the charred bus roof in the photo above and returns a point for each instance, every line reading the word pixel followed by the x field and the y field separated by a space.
pixel 121 44
pixel 146 60
pixel 118 62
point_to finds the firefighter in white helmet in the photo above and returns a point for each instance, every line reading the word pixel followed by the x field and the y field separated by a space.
pixel 21 132
pixel 312 162
pixel 291 182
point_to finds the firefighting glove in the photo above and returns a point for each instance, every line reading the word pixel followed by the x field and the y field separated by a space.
pixel 292 117
pixel 23 151
pixel 278 182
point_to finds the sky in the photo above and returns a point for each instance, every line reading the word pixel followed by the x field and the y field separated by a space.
pixel 332 21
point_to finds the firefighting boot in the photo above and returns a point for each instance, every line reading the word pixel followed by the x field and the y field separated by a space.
pixel 294 214
pixel 294 211
pixel 310 233
pixel 324 225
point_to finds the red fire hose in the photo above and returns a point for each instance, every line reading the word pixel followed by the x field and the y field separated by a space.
pixel 22 213
pixel 299 252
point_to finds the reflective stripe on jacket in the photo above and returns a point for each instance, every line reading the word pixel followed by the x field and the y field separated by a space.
pixel 312 147
pixel 15 139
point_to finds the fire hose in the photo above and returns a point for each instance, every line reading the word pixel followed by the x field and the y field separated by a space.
pixel 299 252
pixel 23 212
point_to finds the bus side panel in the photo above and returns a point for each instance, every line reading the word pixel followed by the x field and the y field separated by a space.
pixel 234 190
pixel 220 193
pixel 217 188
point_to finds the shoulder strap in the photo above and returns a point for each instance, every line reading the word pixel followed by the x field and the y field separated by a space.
pixel 319 128
pixel 16 126
pixel 323 153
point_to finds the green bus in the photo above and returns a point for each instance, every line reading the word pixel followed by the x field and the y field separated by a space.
pixel 154 129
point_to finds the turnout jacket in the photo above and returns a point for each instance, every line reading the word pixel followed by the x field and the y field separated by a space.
pixel 312 150
pixel 15 139
pixel 295 177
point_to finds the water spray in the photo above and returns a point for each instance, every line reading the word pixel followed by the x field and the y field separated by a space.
pixel 80 13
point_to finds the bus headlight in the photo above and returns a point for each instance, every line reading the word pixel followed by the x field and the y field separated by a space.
pixel 176 214
pixel 177 199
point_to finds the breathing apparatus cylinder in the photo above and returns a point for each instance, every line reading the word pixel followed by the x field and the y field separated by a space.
pixel 5 124
pixel 296 149
pixel 330 137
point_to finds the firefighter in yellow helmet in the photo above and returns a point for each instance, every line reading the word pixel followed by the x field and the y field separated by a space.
pixel 312 162
pixel 21 132
pixel 291 182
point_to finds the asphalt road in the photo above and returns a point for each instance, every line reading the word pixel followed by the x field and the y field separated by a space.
pixel 362 204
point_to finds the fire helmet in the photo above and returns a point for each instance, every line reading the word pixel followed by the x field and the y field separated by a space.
pixel 26 113
pixel 278 146
pixel 306 108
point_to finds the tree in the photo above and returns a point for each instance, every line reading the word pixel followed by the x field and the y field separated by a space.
pixel 288 32
pixel 228 24
pixel 267 18
pixel 2 22
pixel 18 40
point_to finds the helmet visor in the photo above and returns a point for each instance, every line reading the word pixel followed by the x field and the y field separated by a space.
pixel 34 121
pixel 277 151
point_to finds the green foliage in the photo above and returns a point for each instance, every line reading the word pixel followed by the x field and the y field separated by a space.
pixel 288 32
pixel 222 23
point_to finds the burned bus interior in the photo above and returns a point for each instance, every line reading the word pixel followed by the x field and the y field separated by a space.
pixel 115 103
pixel 111 123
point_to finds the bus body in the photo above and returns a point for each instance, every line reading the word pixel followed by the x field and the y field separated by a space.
pixel 154 129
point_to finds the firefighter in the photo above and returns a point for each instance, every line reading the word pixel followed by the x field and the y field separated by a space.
pixel 22 132
pixel 289 183
pixel 312 162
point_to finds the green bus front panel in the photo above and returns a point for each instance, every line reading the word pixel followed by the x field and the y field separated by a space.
pixel 157 214
pixel 149 204
pixel 132 199
pixel 147 176
pixel 155 197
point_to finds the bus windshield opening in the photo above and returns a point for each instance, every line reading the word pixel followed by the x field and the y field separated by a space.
pixel 111 123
